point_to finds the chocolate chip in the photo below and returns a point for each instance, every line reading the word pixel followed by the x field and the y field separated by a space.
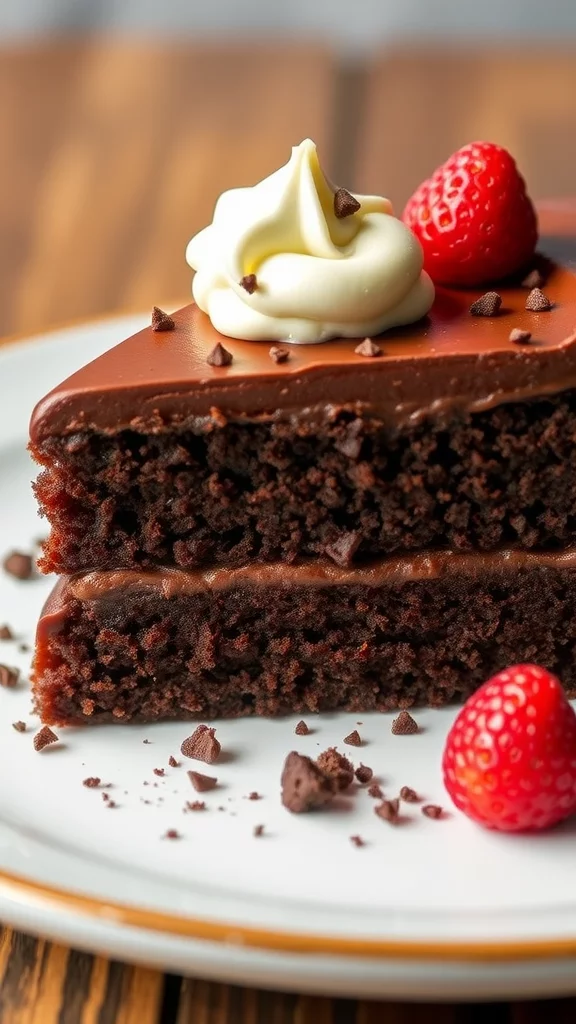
pixel 279 355
pixel 258 830
pixel 219 356
pixel 432 811
pixel 537 302
pixel 344 203
pixel 173 762
pixel 19 726
pixel 368 348
pixel 202 745
pixel 254 795
pixel 202 783
pixel 343 549
pixel 535 279
pixel 388 810
pixel 19 565
pixel 9 677
pixel 520 337
pixel 353 739
pixel 92 782
pixel 375 791
pixel 305 787
pixel 195 805
pixel 404 725
pixel 6 633
pixel 408 795
pixel 487 305
pixel 357 841
pixel 364 774
pixel 44 738
pixel 111 804
pixel 172 833
pixel 158 771
pixel 337 766
pixel 161 321
pixel 249 283
pixel 302 729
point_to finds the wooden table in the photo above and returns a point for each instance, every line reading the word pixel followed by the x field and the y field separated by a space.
pixel 112 155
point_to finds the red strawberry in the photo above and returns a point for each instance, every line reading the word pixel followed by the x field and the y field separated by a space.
pixel 510 757
pixel 473 217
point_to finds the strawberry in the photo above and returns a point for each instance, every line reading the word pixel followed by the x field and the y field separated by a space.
pixel 473 217
pixel 510 757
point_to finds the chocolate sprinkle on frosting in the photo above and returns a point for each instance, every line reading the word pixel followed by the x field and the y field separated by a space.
pixel 535 279
pixel 44 738
pixel 404 725
pixel 364 774
pixel 520 337
pixel 368 348
pixel 202 783
pixel 19 726
pixel 345 204
pixel 408 795
pixel 537 302
pixel 487 305
pixel 305 787
pixel 279 355
pixel 19 565
pixel 302 729
pixel 9 677
pixel 337 766
pixel 202 745
pixel 388 810
pixel 219 356
pixel 6 633
pixel 353 739
pixel 161 321
pixel 432 811
pixel 249 283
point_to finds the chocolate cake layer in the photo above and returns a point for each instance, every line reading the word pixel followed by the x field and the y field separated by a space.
pixel 422 630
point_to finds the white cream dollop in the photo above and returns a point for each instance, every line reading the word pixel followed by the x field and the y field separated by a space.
pixel 318 276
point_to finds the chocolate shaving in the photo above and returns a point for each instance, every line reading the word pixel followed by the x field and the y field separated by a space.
pixel 353 739
pixel 249 283
pixel 195 805
pixel 537 302
pixel 535 279
pixel 302 729
pixel 408 795
pixel 375 791
pixel 337 766
pixel 357 841
pixel 368 348
pixel 44 738
pixel 19 565
pixel 202 745
pixel 279 355
pixel 219 356
pixel 345 204
pixel 388 810
pixel 19 726
pixel 305 787
pixel 520 337
pixel 161 321
pixel 487 305
pixel 202 783
pixel 432 811
pixel 343 549
pixel 92 782
pixel 404 725
pixel 9 677
pixel 364 774
pixel 6 633
pixel 258 830
pixel 173 762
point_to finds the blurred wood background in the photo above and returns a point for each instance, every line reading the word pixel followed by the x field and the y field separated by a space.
pixel 112 157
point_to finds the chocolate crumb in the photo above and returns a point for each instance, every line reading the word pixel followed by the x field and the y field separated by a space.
pixel 343 549
pixel 158 771
pixel 258 830
pixel 6 633
pixel 44 738
pixel 173 762
pixel 146 741
pixel 202 783
pixel 302 729
pixel 408 795
pixel 9 677
pixel 364 774
pixel 404 725
pixel 195 805
pixel 19 565
pixel 368 348
pixel 219 356
pixel 19 726
pixel 388 810
pixel 375 791
pixel 357 841
pixel 249 283
pixel 92 782
pixel 254 795
pixel 537 302
pixel 202 745
pixel 535 279
pixel 353 739
pixel 337 766
pixel 172 833
pixel 111 804
pixel 24 648
pixel 305 786
pixel 487 305
pixel 161 321
pixel 105 797
pixel 432 811
pixel 344 203
pixel 279 355
pixel 520 337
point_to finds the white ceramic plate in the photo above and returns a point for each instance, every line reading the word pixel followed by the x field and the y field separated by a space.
pixel 430 908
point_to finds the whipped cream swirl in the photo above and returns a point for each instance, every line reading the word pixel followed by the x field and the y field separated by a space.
pixel 317 275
